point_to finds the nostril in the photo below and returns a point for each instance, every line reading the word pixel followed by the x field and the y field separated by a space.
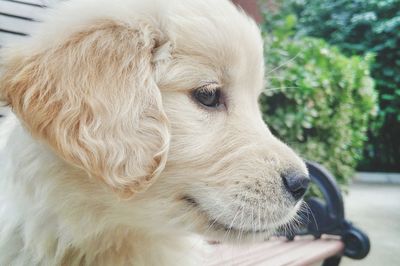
pixel 296 184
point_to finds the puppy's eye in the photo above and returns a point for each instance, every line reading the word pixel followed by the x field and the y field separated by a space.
pixel 207 97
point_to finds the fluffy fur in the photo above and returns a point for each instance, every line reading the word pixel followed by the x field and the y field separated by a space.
pixel 110 161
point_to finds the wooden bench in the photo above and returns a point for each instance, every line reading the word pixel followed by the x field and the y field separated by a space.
pixel 299 252
pixel 323 237
pixel 19 18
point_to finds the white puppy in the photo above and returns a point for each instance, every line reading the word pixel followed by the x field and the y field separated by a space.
pixel 137 126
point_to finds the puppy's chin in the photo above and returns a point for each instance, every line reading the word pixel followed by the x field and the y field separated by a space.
pixel 217 230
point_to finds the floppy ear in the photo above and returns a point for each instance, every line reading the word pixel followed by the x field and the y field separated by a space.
pixel 94 100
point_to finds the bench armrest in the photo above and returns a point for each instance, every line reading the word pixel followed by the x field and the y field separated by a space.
pixel 327 216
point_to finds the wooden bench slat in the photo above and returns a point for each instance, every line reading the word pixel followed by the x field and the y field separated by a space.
pixel 306 254
pixel 299 252
pixel 30 2
pixel 23 11
pixel 321 251
pixel 8 37
pixel 273 253
pixel 223 254
pixel 17 25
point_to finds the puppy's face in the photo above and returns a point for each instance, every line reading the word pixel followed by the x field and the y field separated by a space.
pixel 159 101
pixel 226 174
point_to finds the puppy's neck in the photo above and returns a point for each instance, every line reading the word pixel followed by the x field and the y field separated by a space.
pixel 54 214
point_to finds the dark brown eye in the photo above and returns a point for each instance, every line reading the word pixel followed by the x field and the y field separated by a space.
pixel 207 97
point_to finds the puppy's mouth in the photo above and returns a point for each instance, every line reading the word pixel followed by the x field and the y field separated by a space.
pixel 220 226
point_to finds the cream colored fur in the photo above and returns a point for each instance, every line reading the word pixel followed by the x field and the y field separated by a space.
pixel 107 147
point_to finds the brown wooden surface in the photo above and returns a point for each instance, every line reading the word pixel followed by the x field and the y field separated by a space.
pixel 278 252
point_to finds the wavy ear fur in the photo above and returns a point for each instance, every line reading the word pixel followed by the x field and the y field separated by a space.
pixel 94 100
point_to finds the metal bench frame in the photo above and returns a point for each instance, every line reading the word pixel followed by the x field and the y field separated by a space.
pixel 328 217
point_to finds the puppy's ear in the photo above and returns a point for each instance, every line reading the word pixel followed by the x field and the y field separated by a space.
pixel 94 100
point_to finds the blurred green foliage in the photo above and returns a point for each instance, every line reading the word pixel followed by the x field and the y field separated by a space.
pixel 317 100
pixel 361 27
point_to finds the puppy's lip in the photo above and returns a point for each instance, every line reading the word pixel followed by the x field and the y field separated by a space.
pixel 218 226
pixel 223 227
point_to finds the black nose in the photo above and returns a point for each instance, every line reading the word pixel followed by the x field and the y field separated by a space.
pixel 296 184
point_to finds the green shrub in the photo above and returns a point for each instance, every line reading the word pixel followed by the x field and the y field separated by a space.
pixel 317 100
pixel 360 27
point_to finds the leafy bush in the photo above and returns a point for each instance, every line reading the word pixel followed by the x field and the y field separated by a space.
pixel 317 100
pixel 360 27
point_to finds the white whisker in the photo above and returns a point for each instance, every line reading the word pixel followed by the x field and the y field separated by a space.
pixel 283 64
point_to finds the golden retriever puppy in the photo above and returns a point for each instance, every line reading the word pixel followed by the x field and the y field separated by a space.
pixel 137 128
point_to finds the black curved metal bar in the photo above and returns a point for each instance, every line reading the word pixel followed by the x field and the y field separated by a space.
pixel 327 216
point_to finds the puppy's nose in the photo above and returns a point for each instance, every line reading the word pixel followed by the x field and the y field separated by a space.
pixel 296 184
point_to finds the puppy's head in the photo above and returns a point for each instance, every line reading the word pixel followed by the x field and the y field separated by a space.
pixel 135 92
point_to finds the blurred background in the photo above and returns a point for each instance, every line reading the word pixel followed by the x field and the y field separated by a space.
pixel 332 92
